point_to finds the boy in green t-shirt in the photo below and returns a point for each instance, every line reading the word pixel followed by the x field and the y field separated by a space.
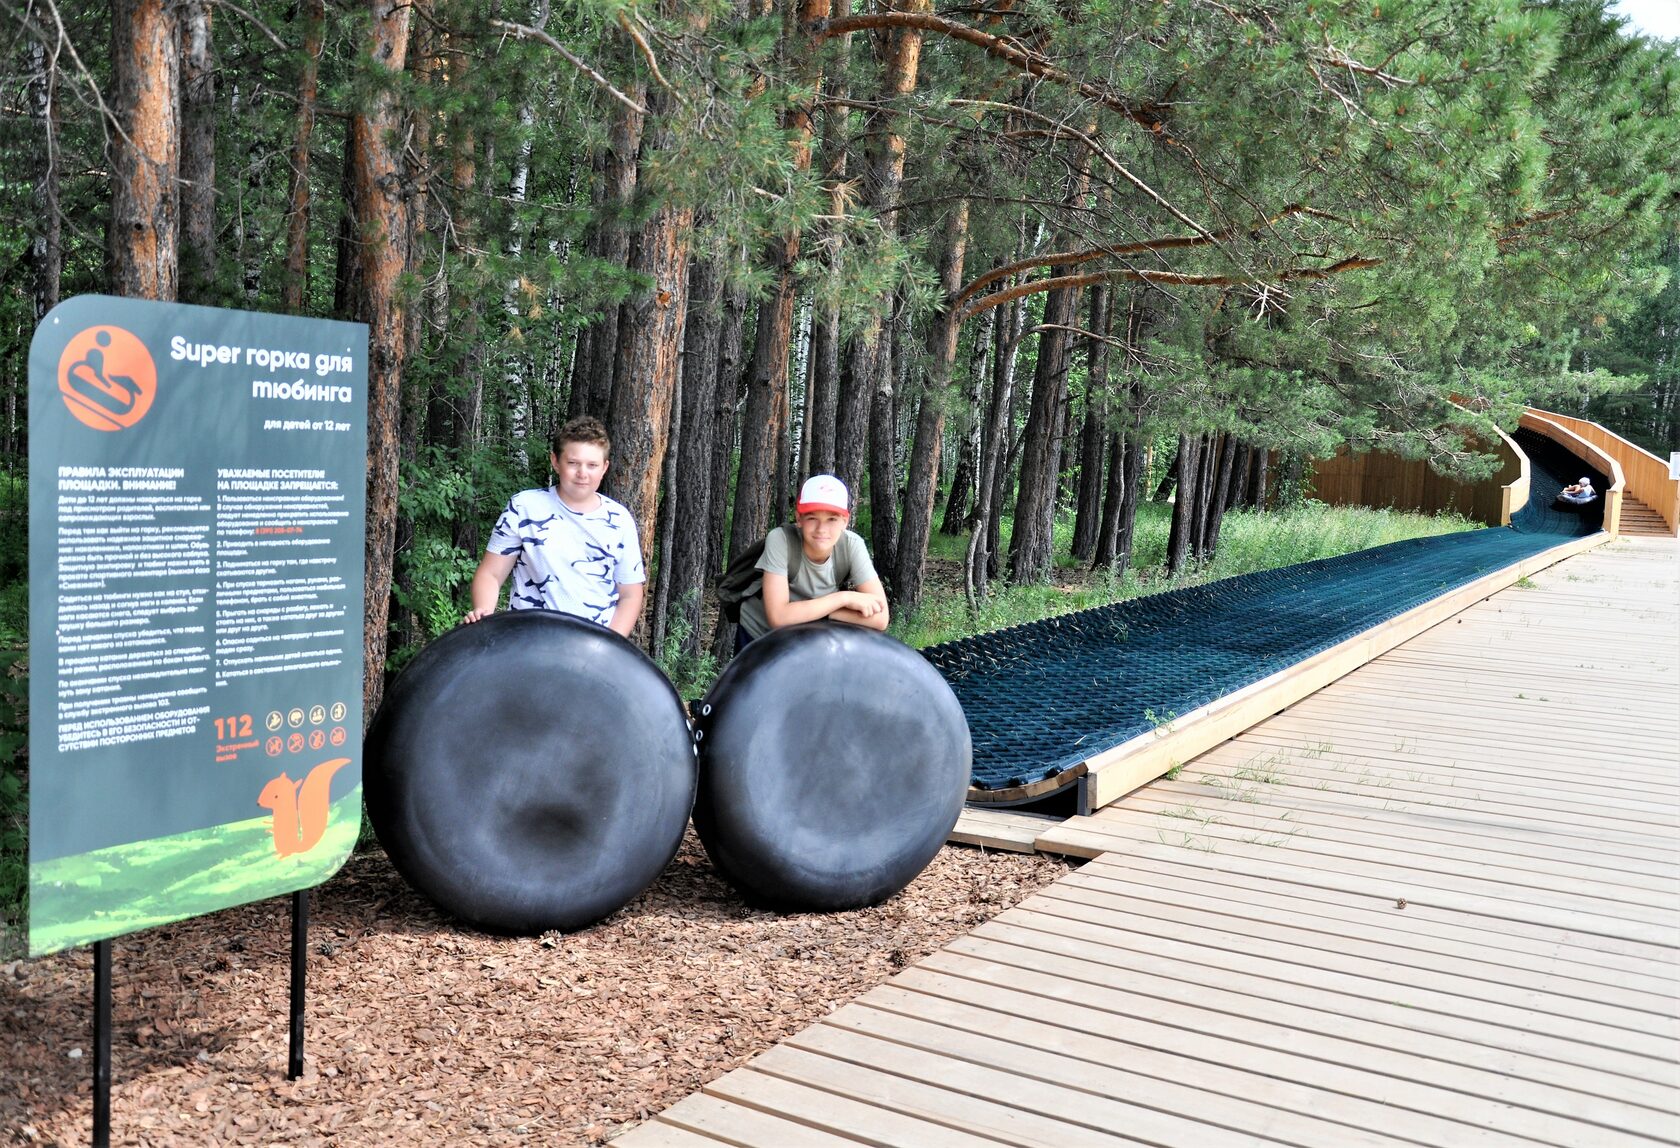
pixel 832 575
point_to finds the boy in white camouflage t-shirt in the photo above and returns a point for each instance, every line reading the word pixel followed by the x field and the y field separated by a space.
pixel 569 548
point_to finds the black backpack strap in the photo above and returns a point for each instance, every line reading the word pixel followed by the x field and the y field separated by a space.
pixel 796 550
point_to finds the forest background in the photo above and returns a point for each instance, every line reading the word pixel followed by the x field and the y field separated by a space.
pixel 999 264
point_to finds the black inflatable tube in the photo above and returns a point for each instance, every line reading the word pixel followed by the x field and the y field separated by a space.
pixel 530 772
pixel 833 765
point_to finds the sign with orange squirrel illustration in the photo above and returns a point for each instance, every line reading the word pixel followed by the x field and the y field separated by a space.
pixel 196 506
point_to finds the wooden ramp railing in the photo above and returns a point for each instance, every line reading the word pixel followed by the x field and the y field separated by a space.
pixel 1593 455
pixel 1646 475
pixel 1379 479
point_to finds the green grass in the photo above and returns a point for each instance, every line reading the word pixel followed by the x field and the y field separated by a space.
pixel 1248 542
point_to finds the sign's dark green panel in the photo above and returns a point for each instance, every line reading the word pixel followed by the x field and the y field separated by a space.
pixel 196 505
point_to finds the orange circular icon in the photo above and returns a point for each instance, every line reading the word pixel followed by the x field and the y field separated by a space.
pixel 274 746
pixel 337 735
pixel 295 743
pixel 107 378
pixel 317 739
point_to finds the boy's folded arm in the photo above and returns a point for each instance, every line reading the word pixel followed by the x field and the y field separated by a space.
pixel 879 618
pixel 841 606
pixel 780 610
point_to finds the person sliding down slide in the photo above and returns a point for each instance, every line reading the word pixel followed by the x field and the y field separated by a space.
pixel 1578 493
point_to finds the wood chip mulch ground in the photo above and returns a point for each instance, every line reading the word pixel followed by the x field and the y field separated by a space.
pixel 422 1032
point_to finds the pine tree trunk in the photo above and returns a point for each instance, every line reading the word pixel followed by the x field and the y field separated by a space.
pixel 979 561
pixel 381 221
pixel 294 286
pixel 1164 488
pixel 765 419
pixel 964 495
pixel 659 615
pixel 1239 475
pixel 1031 546
pixel 883 462
pixel 198 154
pixel 649 364
pixel 898 55
pixel 1088 500
pixel 595 368
pixel 347 263
pixel 1188 464
pixel 923 484
pixel 1207 461
pixel 691 488
pixel 144 231
pixel 822 389
pixel 823 382
pixel 46 249
pixel 726 404
pixel 1219 495
pixel 1258 485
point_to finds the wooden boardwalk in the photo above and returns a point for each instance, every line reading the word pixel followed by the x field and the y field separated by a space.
pixel 1436 903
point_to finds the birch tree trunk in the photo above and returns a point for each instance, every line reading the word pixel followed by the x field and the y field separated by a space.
pixel 198 154
pixel 46 249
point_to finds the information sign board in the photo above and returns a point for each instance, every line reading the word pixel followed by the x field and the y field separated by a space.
pixel 196 505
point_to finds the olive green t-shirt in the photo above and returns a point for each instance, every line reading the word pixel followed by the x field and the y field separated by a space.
pixel 811 579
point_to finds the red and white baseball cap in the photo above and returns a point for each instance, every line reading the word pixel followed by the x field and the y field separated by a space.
pixel 823 492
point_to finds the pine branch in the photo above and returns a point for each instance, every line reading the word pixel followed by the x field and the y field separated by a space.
pixel 525 32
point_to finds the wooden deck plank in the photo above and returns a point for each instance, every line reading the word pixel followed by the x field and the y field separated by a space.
pixel 842 1117
pixel 715 1121
pixel 1309 1009
pixel 860 1101
pixel 1412 883
pixel 1652 898
pixel 1174 799
pixel 1005 1102
pixel 1426 770
pixel 1562 1089
pixel 1472 1013
pixel 1143 868
pixel 1544 974
pixel 921 992
pixel 1000 828
pixel 1447 983
pixel 968 1030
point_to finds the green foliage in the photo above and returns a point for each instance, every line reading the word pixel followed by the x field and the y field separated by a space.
pixel 691 674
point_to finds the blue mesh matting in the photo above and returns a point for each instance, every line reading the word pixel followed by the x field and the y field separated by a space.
pixel 1045 696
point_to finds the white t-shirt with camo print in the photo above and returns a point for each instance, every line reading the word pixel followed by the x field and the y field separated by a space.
pixel 566 561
